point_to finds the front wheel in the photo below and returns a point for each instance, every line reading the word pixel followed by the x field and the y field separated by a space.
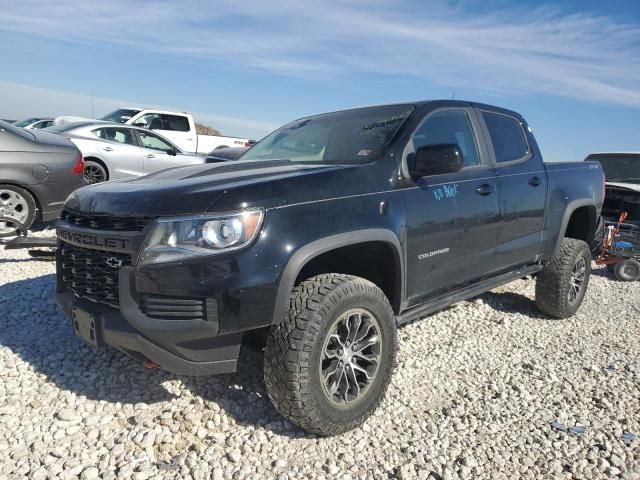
pixel 562 284
pixel 327 365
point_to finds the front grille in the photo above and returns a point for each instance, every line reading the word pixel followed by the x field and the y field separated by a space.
pixel 173 308
pixel 105 222
pixel 92 274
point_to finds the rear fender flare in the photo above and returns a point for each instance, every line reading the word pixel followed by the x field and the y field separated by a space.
pixel 569 211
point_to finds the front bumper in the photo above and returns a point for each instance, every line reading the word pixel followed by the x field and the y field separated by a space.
pixel 185 347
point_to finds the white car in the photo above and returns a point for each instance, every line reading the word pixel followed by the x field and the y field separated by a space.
pixel 113 151
pixel 179 127
pixel 34 123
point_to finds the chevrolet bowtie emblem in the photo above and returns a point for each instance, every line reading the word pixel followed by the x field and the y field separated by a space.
pixel 114 262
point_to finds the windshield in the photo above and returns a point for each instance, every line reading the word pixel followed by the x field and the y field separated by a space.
pixel 63 127
pixel 619 168
pixel 121 115
pixel 24 123
pixel 350 136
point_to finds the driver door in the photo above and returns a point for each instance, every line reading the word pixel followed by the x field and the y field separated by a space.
pixel 452 218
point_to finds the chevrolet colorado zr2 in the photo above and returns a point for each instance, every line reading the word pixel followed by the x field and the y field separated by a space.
pixel 325 237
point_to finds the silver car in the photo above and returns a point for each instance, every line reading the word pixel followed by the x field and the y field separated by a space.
pixel 114 151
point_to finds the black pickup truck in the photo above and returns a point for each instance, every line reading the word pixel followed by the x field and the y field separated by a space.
pixel 325 237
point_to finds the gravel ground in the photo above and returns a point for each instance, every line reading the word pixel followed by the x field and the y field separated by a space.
pixel 474 395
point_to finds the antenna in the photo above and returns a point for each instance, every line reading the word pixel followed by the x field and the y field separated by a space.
pixel 453 96
pixel 92 105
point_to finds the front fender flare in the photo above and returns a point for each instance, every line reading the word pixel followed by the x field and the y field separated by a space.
pixel 311 250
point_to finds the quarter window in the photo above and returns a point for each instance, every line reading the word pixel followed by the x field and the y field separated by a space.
pixel 507 137
pixel 119 135
pixel 449 127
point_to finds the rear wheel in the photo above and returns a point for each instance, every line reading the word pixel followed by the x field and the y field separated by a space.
pixel 562 284
pixel 328 364
pixel 627 270
pixel 18 204
pixel 94 172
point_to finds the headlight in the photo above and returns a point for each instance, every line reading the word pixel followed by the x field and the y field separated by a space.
pixel 184 237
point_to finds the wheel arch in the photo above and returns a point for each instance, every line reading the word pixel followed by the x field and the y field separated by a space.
pixel 579 221
pixel 304 258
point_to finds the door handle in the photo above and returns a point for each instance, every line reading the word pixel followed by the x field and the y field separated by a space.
pixel 108 149
pixel 150 155
pixel 535 181
pixel 485 189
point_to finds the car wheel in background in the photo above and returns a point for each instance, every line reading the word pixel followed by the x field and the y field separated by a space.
pixel 328 363
pixel 16 203
pixel 94 172
pixel 627 270
pixel 562 284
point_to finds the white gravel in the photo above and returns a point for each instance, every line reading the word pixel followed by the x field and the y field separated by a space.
pixel 473 396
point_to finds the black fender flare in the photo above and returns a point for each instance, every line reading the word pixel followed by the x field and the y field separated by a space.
pixel 311 250
pixel 568 212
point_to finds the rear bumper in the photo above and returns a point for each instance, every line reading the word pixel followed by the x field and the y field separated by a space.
pixel 182 347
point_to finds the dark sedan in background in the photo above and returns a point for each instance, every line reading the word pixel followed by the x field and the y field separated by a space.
pixel 38 170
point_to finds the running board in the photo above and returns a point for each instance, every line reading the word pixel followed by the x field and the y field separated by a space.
pixel 443 301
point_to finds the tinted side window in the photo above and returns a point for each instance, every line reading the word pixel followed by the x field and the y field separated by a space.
pixel 449 127
pixel 507 137
pixel 120 135
pixel 175 123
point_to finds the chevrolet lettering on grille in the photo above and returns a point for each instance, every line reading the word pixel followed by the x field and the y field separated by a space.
pixel 89 240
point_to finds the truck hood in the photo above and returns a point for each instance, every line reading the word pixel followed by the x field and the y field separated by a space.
pixel 201 188
pixel 629 186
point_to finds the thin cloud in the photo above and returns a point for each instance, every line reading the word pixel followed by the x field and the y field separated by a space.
pixel 515 50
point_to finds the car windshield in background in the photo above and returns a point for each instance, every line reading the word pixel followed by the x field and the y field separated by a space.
pixel 347 137
pixel 24 123
pixel 121 115
pixel 619 168
pixel 63 127
pixel 18 131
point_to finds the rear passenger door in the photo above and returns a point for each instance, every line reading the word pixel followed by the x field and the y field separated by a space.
pixel 452 219
pixel 522 188
pixel 120 151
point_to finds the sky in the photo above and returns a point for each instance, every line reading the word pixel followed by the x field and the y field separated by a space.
pixel 571 68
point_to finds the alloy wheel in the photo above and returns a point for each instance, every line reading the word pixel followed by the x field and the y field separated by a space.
pixel 350 357
pixel 94 173
pixel 578 275
pixel 12 205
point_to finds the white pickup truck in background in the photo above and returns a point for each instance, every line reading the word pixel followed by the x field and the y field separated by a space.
pixel 179 127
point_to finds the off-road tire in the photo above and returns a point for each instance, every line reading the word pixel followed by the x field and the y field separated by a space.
pixel 31 208
pixel 554 281
pixel 627 270
pixel 294 351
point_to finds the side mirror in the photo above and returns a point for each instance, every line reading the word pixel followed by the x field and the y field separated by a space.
pixel 435 160
pixel 172 152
